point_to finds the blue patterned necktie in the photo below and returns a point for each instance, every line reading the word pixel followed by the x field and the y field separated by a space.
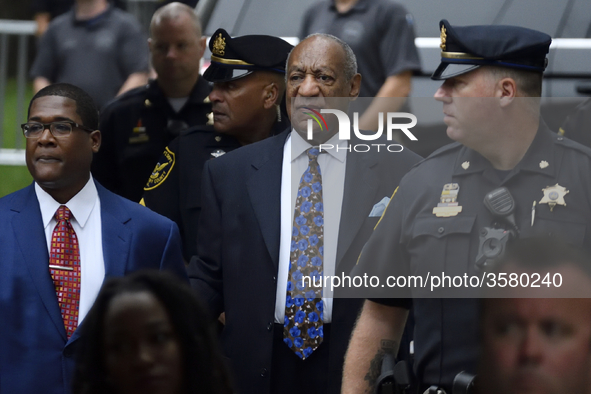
pixel 302 329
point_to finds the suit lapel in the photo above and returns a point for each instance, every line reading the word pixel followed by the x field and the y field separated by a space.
pixel 30 238
pixel 116 236
pixel 264 190
pixel 359 193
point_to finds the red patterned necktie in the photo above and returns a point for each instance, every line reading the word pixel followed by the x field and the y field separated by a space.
pixel 303 329
pixel 64 266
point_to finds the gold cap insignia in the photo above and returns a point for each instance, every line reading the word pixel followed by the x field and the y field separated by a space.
pixel 544 164
pixel 219 46
pixel 554 195
pixel 466 165
pixel 448 202
pixel 443 38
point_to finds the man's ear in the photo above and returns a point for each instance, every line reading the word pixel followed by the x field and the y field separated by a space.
pixel 95 138
pixel 506 90
pixel 202 46
pixel 270 95
pixel 355 86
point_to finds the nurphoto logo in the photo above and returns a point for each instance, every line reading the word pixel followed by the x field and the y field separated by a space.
pixel 345 129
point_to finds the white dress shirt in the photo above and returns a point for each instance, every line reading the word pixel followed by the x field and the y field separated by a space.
pixel 332 165
pixel 86 221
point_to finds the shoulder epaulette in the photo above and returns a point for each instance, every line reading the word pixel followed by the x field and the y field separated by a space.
pixel 570 144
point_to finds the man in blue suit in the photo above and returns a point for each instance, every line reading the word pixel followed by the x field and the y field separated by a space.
pixel 113 236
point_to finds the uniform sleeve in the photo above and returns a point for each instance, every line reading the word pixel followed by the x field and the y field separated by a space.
pixel 133 49
pixel 164 197
pixel 398 52
pixel 105 162
pixel 45 63
pixel 384 255
pixel 205 269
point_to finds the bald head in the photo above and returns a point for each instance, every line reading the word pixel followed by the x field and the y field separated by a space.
pixel 174 11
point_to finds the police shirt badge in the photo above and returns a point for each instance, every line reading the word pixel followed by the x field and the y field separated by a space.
pixel 448 202
pixel 161 171
pixel 217 153
pixel 138 134
pixel 554 195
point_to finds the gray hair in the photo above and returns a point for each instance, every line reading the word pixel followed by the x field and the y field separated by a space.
pixel 350 66
pixel 173 11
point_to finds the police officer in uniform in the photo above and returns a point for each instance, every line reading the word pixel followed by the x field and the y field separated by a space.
pixel 247 99
pixel 138 125
pixel 437 221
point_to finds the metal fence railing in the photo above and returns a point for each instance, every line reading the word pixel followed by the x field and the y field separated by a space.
pixel 9 30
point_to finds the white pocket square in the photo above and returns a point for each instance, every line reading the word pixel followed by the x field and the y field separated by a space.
pixel 379 208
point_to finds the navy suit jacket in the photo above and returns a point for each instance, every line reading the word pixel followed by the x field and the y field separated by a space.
pixel 238 249
pixel 35 355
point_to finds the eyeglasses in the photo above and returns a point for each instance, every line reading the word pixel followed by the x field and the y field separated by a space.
pixel 58 129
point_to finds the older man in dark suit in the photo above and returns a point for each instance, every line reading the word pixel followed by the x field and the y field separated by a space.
pixel 253 249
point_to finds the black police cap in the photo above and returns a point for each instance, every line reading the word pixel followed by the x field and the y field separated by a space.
pixel 233 58
pixel 466 48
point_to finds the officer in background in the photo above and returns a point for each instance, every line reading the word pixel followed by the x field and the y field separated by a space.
pixel 139 124
pixel 437 221
pixel 248 73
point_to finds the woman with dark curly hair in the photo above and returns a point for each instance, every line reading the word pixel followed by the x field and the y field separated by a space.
pixel 148 334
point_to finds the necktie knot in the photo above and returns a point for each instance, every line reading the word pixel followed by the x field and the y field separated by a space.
pixel 313 153
pixel 63 213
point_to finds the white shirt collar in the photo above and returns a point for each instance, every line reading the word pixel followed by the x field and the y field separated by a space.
pixel 80 205
pixel 299 146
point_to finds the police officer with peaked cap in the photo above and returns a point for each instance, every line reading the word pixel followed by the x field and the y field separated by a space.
pixel 247 99
pixel 437 221
pixel 137 125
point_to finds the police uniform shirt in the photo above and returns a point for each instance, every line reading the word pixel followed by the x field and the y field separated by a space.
pixel 174 187
pixel 410 239
pixel 136 127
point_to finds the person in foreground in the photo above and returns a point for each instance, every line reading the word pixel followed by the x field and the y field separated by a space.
pixel 148 334
pixel 537 340
pixel 59 238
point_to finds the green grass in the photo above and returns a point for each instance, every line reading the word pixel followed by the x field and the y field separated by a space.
pixel 10 124
pixel 13 178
